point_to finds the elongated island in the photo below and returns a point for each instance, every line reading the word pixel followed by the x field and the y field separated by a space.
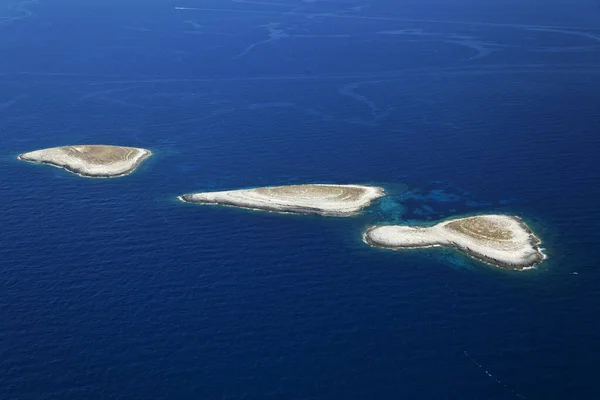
pixel 321 199
pixel 499 240
pixel 91 161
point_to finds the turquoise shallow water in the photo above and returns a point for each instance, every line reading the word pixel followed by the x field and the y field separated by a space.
pixel 112 289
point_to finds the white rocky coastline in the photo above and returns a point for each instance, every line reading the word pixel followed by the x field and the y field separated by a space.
pixel 321 199
pixel 91 161
pixel 499 240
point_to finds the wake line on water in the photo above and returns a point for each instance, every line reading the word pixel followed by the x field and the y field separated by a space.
pixel 571 69
pixel 498 381
pixel 375 18
pixel 392 75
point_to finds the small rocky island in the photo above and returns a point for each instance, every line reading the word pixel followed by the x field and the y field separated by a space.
pixel 500 240
pixel 321 199
pixel 91 161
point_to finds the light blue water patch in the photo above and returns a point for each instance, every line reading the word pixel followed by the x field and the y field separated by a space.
pixel 433 195
pixel 453 258
pixel 438 200
pixel 424 210
pixel 389 209
pixel 426 204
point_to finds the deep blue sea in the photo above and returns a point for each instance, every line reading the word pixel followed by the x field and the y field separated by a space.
pixel 112 289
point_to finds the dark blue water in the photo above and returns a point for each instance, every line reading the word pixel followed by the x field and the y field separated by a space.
pixel 112 289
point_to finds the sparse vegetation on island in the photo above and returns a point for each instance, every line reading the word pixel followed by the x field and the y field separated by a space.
pixel 91 161
pixel 500 240
pixel 321 199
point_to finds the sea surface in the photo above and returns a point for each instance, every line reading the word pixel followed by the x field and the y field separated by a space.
pixel 112 289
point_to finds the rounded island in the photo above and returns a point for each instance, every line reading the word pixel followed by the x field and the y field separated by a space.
pixel 91 161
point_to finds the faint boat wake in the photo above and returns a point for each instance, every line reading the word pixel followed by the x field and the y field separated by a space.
pixel 498 381
pixel 376 113
pixel 275 33
pixel 570 29
pixel 20 9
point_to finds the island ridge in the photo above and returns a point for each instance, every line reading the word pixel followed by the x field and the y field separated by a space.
pixel 321 199
pixel 500 240
pixel 91 161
